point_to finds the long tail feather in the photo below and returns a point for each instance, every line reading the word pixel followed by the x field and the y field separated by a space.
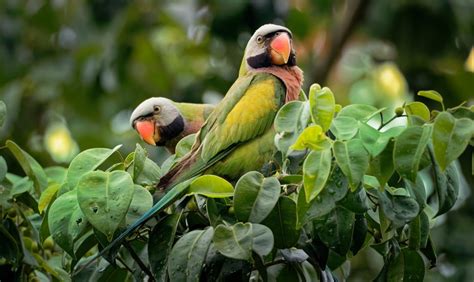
pixel 163 203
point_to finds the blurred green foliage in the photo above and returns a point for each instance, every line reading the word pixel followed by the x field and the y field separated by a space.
pixel 82 66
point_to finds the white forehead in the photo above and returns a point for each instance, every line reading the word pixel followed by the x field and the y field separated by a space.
pixel 266 29
pixel 146 107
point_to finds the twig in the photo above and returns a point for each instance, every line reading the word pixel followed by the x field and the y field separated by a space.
pixel 338 38
pixel 137 259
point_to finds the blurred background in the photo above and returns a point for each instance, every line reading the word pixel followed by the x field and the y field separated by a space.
pixel 71 72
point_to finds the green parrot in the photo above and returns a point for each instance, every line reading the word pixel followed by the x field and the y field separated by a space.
pixel 238 135
pixel 162 122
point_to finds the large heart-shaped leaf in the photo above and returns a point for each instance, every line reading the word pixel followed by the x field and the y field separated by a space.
pixel 450 137
pixel 409 148
pixel 104 198
pixel 86 161
pixel 335 230
pixel 399 209
pixel 255 196
pixel 353 160
pixel 66 221
pixel 188 255
pixel 375 141
pixel 238 241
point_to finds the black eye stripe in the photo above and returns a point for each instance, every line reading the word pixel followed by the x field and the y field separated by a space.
pixel 271 34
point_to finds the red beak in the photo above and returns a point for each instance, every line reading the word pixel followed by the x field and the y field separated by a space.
pixel 146 130
pixel 280 49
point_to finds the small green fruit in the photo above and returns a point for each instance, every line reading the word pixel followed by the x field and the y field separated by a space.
pixel 399 111
pixel 48 243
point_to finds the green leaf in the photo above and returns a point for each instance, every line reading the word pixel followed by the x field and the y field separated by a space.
pixel 255 196
pixel 359 112
pixel 429 252
pixel 335 190
pixel 87 161
pixel 353 160
pixel 188 255
pixel 344 127
pixel 355 201
pixel 211 186
pixel 160 243
pixel 3 113
pixel 450 137
pixel 3 168
pixel 417 190
pixel 290 117
pixel 359 233
pixel 47 196
pixel 239 240
pixel 141 202
pixel 10 248
pixel 446 187
pixel 30 166
pixel 282 222
pixel 323 106
pixel 316 169
pixel 418 109
pixel 382 165
pixel 66 221
pixel 56 174
pixel 312 138
pixel 24 185
pixel 104 198
pixel 431 94
pixel 414 267
pixel 184 145
pixel 290 120
pixel 399 209
pixel 409 148
pixel 375 141
pixel 150 175
pixel 139 158
pixel 335 230
pixel 414 240
pixel 284 272
pixel 406 265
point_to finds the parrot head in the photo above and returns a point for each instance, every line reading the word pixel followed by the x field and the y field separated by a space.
pixel 157 120
pixel 270 45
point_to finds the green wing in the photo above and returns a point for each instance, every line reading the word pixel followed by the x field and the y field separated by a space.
pixel 246 112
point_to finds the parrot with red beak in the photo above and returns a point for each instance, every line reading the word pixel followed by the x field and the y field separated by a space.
pixel 162 122
pixel 237 137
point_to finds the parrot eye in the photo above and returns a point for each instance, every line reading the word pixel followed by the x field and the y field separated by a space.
pixel 157 109
pixel 259 39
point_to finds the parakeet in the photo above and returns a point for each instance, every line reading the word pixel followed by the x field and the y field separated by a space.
pixel 162 122
pixel 238 135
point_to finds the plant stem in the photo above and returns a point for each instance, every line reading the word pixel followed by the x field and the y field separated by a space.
pixel 137 259
pixel 124 264
pixel 382 124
